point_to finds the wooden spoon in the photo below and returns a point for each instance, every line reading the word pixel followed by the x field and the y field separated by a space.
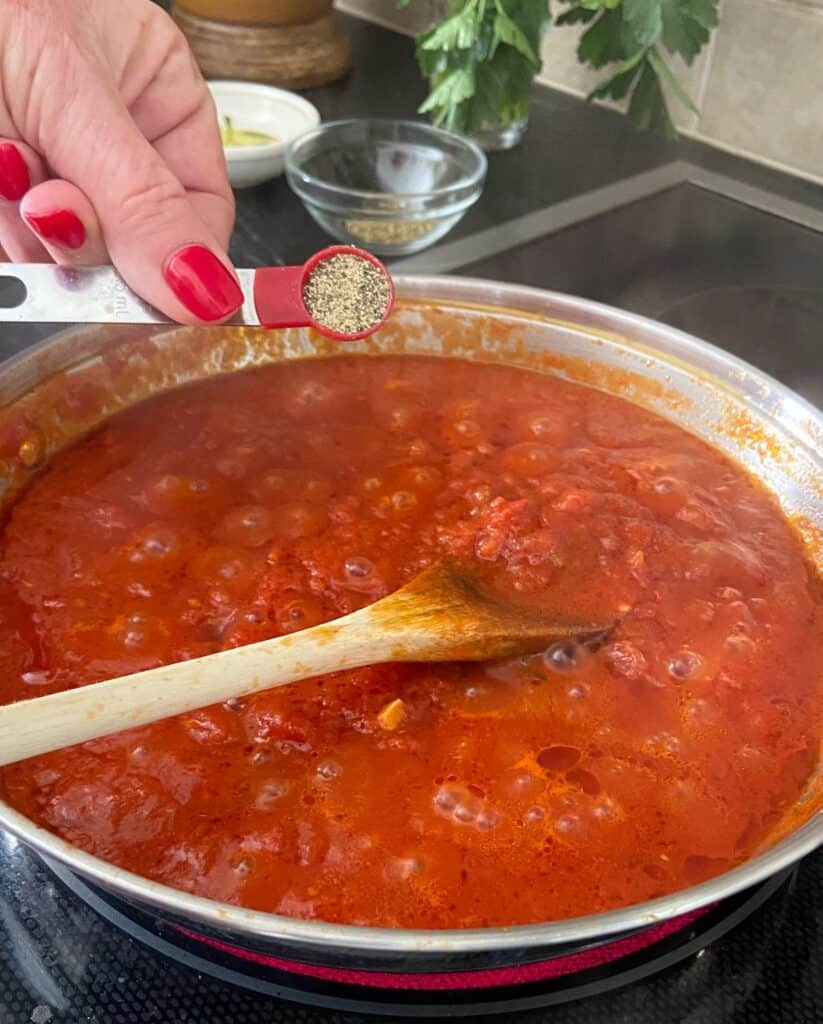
pixel 443 614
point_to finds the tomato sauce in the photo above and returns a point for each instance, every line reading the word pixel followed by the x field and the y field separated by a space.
pixel 456 795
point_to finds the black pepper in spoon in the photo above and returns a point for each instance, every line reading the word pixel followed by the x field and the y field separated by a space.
pixel 346 294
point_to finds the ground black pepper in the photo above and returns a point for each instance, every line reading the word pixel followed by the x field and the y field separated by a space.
pixel 388 232
pixel 346 294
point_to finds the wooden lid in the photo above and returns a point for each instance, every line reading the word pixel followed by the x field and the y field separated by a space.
pixel 290 56
pixel 257 12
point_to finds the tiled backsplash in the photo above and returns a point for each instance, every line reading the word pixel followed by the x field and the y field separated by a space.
pixel 758 84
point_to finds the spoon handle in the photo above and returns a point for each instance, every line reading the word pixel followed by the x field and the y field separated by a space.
pixel 42 724
pixel 45 293
pixel 272 296
pixel 440 615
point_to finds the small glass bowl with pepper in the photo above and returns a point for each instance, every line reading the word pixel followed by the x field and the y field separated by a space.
pixel 393 187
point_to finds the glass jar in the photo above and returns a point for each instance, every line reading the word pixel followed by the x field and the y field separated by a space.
pixel 257 12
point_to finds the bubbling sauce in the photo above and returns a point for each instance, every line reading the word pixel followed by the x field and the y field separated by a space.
pixel 545 787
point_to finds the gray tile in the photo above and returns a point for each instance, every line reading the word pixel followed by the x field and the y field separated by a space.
pixel 764 93
pixel 562 70
pixel 561 67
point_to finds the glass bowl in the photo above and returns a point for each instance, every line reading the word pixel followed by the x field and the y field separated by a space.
pixel 393 187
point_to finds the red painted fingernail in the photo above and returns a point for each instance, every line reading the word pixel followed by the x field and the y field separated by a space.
pixel 202 283
pixel 62 227
pixel 14 175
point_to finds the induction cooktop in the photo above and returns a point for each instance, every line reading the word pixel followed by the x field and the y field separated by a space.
pixel 728 263
pixel 69 955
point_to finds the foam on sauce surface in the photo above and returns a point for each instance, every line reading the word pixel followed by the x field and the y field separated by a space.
pixel 541 788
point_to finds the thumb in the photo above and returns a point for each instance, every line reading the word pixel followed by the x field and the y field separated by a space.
pixel 160 245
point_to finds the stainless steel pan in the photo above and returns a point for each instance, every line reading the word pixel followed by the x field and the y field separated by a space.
pixel 66 384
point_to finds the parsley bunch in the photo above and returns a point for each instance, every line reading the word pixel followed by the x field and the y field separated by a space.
pixel 633 34
pixel 481 59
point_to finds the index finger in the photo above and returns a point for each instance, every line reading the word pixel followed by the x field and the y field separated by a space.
pixel 204 178
pixel 176 113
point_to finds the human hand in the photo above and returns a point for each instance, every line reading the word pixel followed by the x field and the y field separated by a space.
pixel 110 152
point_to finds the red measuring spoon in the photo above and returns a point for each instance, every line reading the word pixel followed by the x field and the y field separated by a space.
pixel 273 296
pixel 278 293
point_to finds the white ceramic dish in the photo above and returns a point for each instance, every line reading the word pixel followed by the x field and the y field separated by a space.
pixel 261 108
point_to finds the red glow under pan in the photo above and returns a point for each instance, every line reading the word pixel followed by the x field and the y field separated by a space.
pixel 518 974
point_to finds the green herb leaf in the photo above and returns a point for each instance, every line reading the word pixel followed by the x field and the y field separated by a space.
pixel 489 95
pixel 687 25
pixel 597 5
pixel 704 12
pixel 508 32
pixel 455 33
pixel 432 62
pixel 575 15
pixel 503 89
pixel 600 44
pixel 454 87
pixel 615 87
pixel 618 84
pixel 665 74
pixel 532 16
pixel 647 108
pixel 644 20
